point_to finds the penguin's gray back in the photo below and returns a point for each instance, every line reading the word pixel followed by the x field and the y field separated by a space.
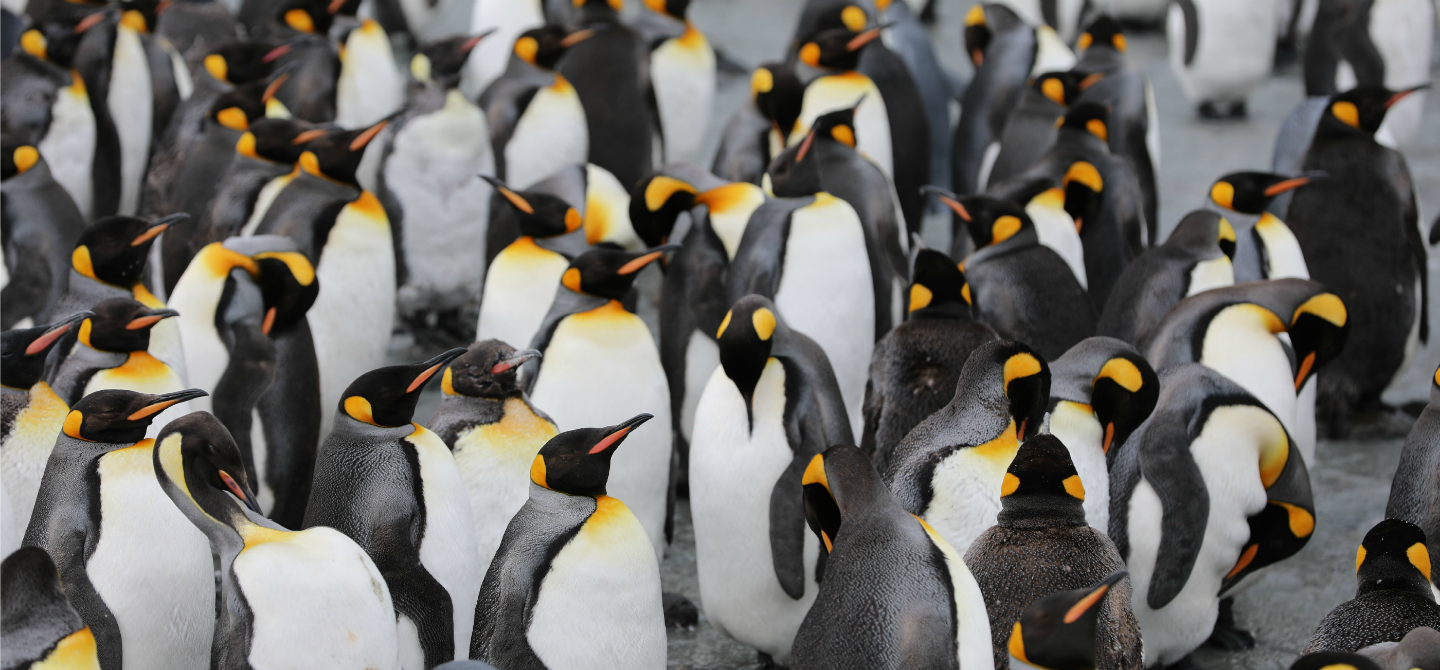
pixel 1415 491
pixel 744 150
pixel 1031 296
pixel 1372 618
pixel 993 92
pixel 42 225
pixel 305 211
pixel 235 201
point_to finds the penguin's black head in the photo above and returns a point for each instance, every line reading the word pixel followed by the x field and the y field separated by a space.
pixel 990 221
pixel 838 48
pixel 1334 660
pixel 1360 110
pixel 440 61
pixel 608 271
pixel 1062 88
pixel 1057 632
pixel 23 350
pixel 336 155
pixel 288 286
pixel 487 369
pixel 240 106
pixel 386 397
pixel 1393 557
pixel 656 202
pixel 1103 31
pixel 57 36
pixel 851 17
pixel 539 214
pixel 1123 395
pixel 243 62
pixel 778 94
pixel 1041 487
pixel 836 126
pixel 113 249
pixel 577 462
pixel 1088 117
pixel 1084 192
pixel 837 484
pixel 745 338
pixel 1023 377
pixel 1202 232
pixel 17 158
pixel 1318 331
pixel 197 456
pixel 312 17
pixel 543 47
pixel 672 8
pixel 117 416
pixel 977 34
pixel 277 140
pixel 121 325
pixel 938 287
pixel 1251 192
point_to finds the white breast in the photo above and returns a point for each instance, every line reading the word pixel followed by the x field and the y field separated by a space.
pixel 197 296
pixel 1084 437
pixel 551 134
pixel 1234 52
pixel 1056 229
pixel 1241 349
pixel 682 70
pixel 519 288
pixel 603 586
pixel 972 630
pixel 26 450
pixel 487 61
pixel 826 293
pixel 152 567
pixel 130 103
pixel 702 357
pixel 267 196
pixel 733 472
pixel 607 210
pixel 494 462
pixel 966 493
pixel 448 550
pixel 370 86
pixel 1214 273
pixel 872 125
pixel 69 145
pixel 1403 31
pixel 1283 257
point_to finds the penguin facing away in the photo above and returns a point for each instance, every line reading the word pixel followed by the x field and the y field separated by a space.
pixel 1002 47
pixel 39 72
pixel 1058 630
pixel 1134 119
pixel 41 628
pixel 1220 52
pixel 1394 595
pixel 1415 491
pixel 1195 258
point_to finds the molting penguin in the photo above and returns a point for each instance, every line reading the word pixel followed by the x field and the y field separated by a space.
pixel 1206 492
pixel 100 511
pixel 1394 597
pixel 1415 491
pixel 1041 544
pixel 62 125
pixel 494 433
pixel 950 470
pixel 42 226
pixel 1269 250
pixel 1195 258
pixel 1101 391
pixel 575 567
pixel 1058 630
pixel 41 628
pixel 262 570
pixel 1134 119
pixel 915 367
pixel 682 80
pixel 521 279
pixel 408 510
pixel 601 360
pixel 1220 51
pixel 770 408
pixel 537 123
pixel 895 594
pixel 608 74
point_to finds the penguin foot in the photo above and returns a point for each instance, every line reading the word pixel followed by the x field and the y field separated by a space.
pixel 1213 110
pixel 1227 635
pixel 680 613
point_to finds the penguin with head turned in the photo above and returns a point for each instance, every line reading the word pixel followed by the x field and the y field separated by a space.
pixel 1134 120
pixel 41 628
pixel 606 71
pixel 1041 544
pixel 758 130
pixel 261 570
pixel 304 26
pixel 42 225
pixel 1030 130
pixel 1265 248
pixel 1415 490
pixel 524 266
pixel 1195 258
pixel 266 158
pixel 100 510
pixel 408 510
pixel 765 413
pixel 1394 597
pixel 48 107
pixel 915 367
pixel 537 122
pixel 950 470
pixel 575 567
pixel 895 594
pixel 1059 630
pixel 1003 48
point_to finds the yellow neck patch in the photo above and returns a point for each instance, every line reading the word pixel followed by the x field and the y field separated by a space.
pixel 761 81
pixel 300 20
pixel 33 43
pixel 1122 372
pixel 1020 365
pixel 1004 228
pixel 1223 194
pixel 764 322
pixel 1074 486
pixel 297 262
pixel 80 260
pixel 1420 558
pixel 661 188
pixel 73 421
pixel 854 18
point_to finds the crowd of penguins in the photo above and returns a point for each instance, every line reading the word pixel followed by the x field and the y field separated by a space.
pixel 1058 444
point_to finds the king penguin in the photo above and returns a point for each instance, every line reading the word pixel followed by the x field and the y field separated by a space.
pixel 1414 492
pixel 1394 595
pixel 601 360
pixel 418 529
pixel 494 432
pixel 508 19
pixel 575 567
pixel 771 407
pixel 264 164
pixel 65 133
pixel 1059 630
pixel 1269 250
pixel 1195 258
pixel 1134 119
pixel 950 470
pixel 607 71
pixel 42 629
pixel 834 53
pixel 1220 51
pixel 537 123
pixel 1030 130
pixel 370 87
pixel 682 81
pixel 521 279
pixel 895 594
pixel 1002 48
pixel 99 511
pixel 262 570
pixel 42 226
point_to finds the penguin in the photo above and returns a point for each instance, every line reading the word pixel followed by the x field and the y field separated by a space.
pixel 950 470
pixel 42 629
pixel 1292 142
pixel 575 566
pixel 62 125
pixel 1371 182
pixel 1062 17
pixel 521 280
pixel 1030 130
pixel 1414 496
pixel 424 540
pixel 895 593
pixel 1220 52
pixel 536 119
pixel 42 226
pixel 1373 44
pixel 1206 492
pixel 771 407
pixel 494 432
pixel 262 570
pixel 304 25
pixel 265 163
pixel 601 359
pixel 100 507
pixel 1019 287
pixel 606 71
pixel 507 19
pixel 682 81
pixel 1270 250
pixel 33 413
pixel 1195 258
pixel 909 40
pixel 1101 390
pixel 1041 544
pixel 1394 596
pixel 370 87
pixel 1003 49
pixel 837 49
pixel 759 129
pixel 1134 119
pixel 1418 648
pixel 1059 630
pixel 915 367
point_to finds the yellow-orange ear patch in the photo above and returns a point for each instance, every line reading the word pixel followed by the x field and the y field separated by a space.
pixel 359 409
pixel 764 322
pixel 571 279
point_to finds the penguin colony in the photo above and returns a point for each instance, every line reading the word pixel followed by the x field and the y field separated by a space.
pixel 1064 442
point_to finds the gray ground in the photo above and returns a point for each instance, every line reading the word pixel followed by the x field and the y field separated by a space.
pixel 1351 478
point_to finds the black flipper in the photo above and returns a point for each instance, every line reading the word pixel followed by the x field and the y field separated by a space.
pixel 1184 501
pixel 1192 29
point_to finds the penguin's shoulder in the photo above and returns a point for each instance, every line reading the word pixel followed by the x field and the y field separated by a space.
pixel 1378 616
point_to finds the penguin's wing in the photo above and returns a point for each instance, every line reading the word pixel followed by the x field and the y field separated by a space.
pixel 744 146
pixel 249 373
pixel 567 302
pixel 503 114
pixel 760 257
pixel 1191 19
pixel 1167 465
pixel 1415 237
pixel 30 279
pixel 1286 523
pixel 290 416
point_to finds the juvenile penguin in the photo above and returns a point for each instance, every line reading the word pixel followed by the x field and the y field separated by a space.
pixel 575 566
pixel 494 433
pixel 895 594
pixel 521 279
pixel 1100 392
pixel 262 570
pixel 537 123
pixel 1195 258
pixel 42 226
pixel 41 628
pixel 915 367
pixel 1394 597
pixel 1059 630
pixel 682 81
pixel 771 407
pixel 99 509
pixel 599 360
pixel 1265 248
pixel 950 470
pixel 409 510
pixel 1415 491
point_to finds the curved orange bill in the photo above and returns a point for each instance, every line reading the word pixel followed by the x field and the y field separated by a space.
pixel 364 138
pixel 161 402
pixel 234 487
pixel 89 22
pixel 514 361
pixel 269 321
pixel 1400 95
pixel 276 53
pixel 1287 185
pixel 862 39
pixel 805 146
pixel 635 265
pixel 577 37
pixel 309 136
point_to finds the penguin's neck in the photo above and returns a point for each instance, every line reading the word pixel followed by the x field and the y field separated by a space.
pixel 945 310
pixel 1040 511
pixel 79 366
pixel 353 432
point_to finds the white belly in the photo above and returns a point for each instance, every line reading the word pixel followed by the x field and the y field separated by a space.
pixel 494 462
pixel 1056 229
pixel 972 629
pixel 196 296
pixel 69 146
pixel 370 86
pixel 1255 360
pixel 152 567
pixel 825 292
pixel 1214 273
pixel 10 530
pixel 702 358
pixel 348 620
pixel 551 134
pixel 150 377
pixel 603 586
pixel 448 549
pixel 131 106
pixel 872 124
pixel 966 494
pixel 682 70
pixel 509 18
pixel 519 288
pixel 27 449
pixel 601 369
pixel 260 452
pixel 1084 437
pixel 1234 52
pixel 732 475
pixel 267 196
